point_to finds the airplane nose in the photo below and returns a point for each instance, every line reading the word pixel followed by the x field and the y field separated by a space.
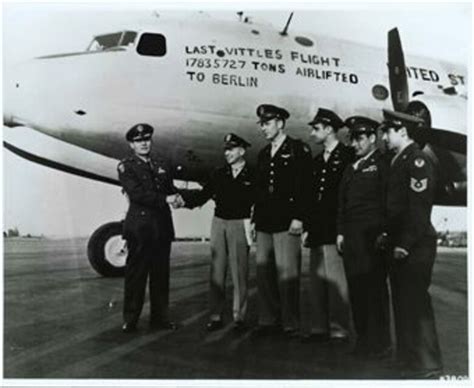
pixel 11 96
pixel 8 93
pixel 24 90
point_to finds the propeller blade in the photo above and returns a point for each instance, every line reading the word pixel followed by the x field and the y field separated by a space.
pixel 397 72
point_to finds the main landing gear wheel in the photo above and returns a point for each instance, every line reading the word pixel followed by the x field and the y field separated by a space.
pixel 107 250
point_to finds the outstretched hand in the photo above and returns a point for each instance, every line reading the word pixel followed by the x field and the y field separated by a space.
pixel 178 202
pixel 340 243
pixel 175 200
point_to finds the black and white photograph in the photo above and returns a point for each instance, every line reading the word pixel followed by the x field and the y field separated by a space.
pixel 239 194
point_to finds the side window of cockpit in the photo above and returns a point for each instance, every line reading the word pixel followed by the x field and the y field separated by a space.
pixel 128 38
pixel 152 45
pixel 105 42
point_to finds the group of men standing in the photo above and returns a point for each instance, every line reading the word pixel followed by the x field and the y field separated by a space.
pixel 366 216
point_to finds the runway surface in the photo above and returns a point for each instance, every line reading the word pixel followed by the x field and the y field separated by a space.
pixel 61 320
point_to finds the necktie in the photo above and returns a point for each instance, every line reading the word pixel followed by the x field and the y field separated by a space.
pixel 274 149
pixel 326 155
pixel 357 164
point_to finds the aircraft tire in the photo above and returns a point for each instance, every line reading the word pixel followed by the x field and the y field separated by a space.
pixel 97 250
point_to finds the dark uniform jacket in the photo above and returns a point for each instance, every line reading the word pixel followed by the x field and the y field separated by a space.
pixel 282 186
pixel 410 196
pixel 321 220
pixel 362 193
pixel 234 197
pixel 147 185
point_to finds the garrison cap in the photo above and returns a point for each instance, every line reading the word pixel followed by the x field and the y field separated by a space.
pixel 267 112
pixel 359 125
pixel 139 132
pixel 399 119
pixel 327 116
pixel 231 140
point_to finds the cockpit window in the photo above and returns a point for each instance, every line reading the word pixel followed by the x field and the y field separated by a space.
pixel 152 45
pixel 116 39
pixel 128 38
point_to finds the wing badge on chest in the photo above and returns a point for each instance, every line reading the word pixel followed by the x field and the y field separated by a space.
pixel 370 169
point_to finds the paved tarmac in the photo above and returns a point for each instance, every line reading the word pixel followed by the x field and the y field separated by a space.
pixel 61 320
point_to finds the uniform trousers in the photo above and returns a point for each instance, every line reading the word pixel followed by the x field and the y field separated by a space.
pixel 148 257
pixel 330 311
pixel 278 279
pixel 368 290
pixel 228 248
pixel 417 340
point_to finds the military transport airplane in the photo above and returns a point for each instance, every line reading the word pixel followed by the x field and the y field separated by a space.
pixel 196 81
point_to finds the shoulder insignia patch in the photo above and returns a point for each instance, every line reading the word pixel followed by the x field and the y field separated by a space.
pixel 419 162
pixel 418 185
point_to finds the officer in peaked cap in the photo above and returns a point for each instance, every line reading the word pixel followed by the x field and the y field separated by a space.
pixel 360 221
pixel 361 125
pixel 267 112
pixel 282 189
pixel 326 116
pixel 231 140
pixel 148 230
pixel 412 238
pixel 394 119
pixel 232 189
pixel 139 132
pixel 330 315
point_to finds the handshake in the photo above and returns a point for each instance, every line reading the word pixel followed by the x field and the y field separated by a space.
pixel 176 201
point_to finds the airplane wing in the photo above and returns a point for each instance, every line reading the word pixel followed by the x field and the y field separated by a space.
pixel 51 152
pixel 447 139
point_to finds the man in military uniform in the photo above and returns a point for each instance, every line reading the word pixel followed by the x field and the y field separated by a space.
pixel 412 238
pixel 330 314
pixel 360 221
pixel 148 230
pixel 232 189
pixel 282 189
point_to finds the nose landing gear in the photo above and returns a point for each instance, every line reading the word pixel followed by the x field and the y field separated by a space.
pixel 107 250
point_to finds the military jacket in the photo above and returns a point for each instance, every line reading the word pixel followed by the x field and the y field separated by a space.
pixel 410 196
pixel 321 220
pixel 362 193
pixel 147 185
pixel 233 197
pixel 282 185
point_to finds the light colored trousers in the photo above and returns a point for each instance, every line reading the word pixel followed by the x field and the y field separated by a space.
pixel 278 279
pixel 228 248
pixel 330 311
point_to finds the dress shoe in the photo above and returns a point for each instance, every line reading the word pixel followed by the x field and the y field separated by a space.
pixel 315 338
pixel 337 340
pixel 423 374
pixel 381 353
pixel 129 327
pixel 166 325
pixel 214 325
pixel 266 331
pixel 360 350
pixel 291 332
pixel 239 326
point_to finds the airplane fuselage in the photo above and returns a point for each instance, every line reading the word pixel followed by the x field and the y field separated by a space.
pixel 204 81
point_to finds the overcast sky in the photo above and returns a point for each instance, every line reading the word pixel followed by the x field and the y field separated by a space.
pixel 39 200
